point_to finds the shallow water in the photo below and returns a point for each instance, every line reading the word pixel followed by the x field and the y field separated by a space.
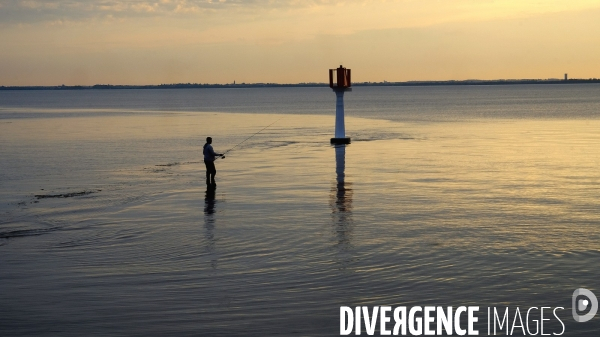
pixel 447 196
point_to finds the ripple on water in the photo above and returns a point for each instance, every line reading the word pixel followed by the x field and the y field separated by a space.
pixel 459 215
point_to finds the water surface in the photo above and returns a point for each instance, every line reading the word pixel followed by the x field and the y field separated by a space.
pixel 447 196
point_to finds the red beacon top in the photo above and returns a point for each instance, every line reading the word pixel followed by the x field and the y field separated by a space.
pixel 339 78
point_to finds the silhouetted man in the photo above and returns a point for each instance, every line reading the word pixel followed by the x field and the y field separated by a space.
pixel 209 161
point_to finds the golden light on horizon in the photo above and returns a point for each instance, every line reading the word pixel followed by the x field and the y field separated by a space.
pixel 173 41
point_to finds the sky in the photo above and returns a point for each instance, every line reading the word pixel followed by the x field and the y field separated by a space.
pixel 86 42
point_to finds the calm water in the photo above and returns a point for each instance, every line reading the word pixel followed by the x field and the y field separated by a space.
pixel 447 196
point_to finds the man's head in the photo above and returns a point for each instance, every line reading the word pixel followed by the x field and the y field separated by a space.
pixel 209 140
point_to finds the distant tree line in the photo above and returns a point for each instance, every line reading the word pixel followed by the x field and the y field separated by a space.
pixel 309 84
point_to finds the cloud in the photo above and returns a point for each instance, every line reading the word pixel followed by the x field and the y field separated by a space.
pixel 379 13
pixel 32 11
pixel 35 11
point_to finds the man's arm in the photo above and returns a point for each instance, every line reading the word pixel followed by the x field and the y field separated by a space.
pixel 213 153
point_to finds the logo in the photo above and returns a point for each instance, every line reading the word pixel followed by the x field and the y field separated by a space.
pixel 582 298
pixel 464 320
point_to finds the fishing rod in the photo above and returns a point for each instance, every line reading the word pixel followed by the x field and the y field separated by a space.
pixel 240 143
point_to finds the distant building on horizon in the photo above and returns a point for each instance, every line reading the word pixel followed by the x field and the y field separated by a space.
pixel 566 77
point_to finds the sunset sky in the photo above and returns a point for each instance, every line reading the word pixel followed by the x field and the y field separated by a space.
pixel 84 42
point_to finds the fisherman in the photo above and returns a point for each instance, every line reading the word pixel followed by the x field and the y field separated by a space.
pixel 209 161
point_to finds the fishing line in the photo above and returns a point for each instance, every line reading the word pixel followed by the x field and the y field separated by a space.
pixel 240 143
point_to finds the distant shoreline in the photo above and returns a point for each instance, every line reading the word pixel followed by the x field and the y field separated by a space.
pixel 300 85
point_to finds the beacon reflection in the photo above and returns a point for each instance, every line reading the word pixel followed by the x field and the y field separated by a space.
pixel 341 204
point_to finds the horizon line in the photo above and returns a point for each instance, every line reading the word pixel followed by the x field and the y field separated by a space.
pixel 304 84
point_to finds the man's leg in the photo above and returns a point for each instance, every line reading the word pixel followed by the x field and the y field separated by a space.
pixel 212 171
pixel 208 171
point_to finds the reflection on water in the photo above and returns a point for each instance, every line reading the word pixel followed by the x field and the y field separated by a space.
pixel 341 207
pixel 209 202
pixel 209 224
pixel 490 212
